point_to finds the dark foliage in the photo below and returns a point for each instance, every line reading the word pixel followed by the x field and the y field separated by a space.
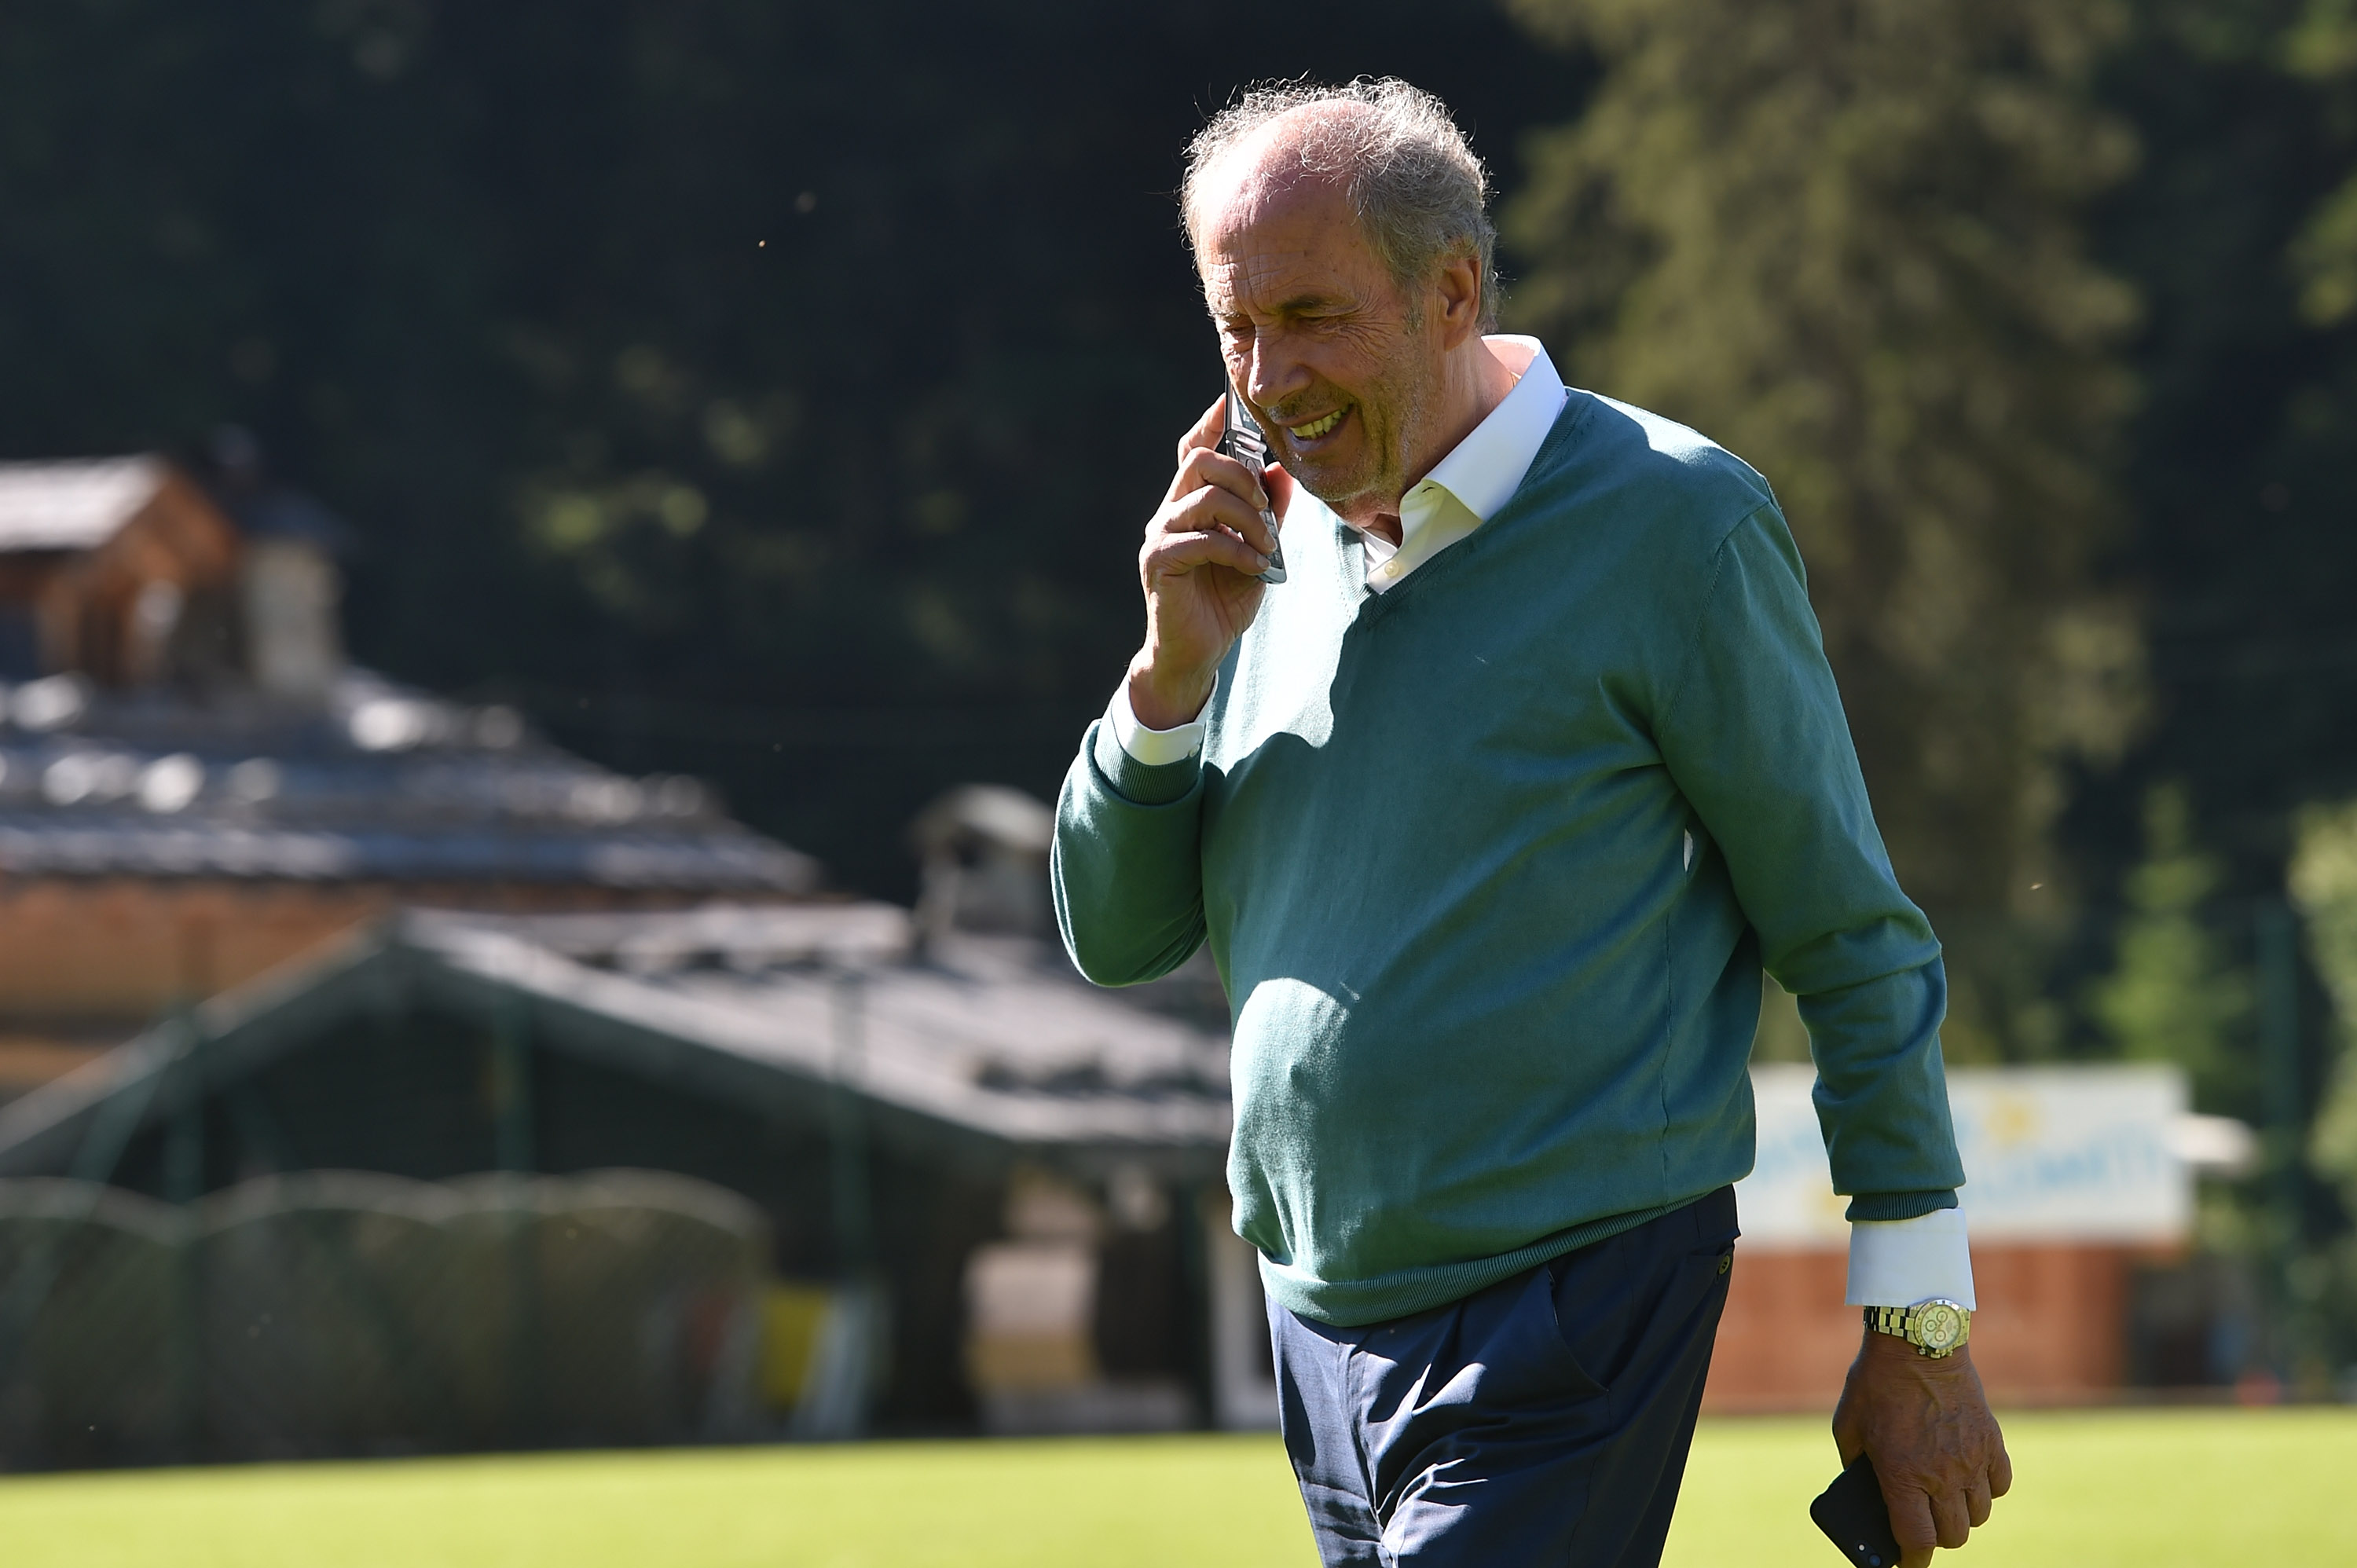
pixel 770 391
pixel 2245 456
pixel 774 391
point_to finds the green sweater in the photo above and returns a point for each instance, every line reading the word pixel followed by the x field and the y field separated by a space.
pixel 1490 865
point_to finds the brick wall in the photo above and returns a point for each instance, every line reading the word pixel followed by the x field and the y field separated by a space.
pixel 110 953
pixel 2052 1329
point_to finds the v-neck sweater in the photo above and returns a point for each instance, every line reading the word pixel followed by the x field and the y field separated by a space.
pixel 1490 865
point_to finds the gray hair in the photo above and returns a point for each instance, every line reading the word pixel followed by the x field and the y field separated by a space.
pixel 1420 195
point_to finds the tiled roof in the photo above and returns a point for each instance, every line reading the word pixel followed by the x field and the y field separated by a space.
pixel 768 1009
pixel 996 1034
pixel 378 783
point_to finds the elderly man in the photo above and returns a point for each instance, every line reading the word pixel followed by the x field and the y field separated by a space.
pixel 1493 814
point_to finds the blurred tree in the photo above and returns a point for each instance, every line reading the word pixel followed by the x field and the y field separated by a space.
pixel 1844 238
pixel 2174 993
pixel 2242 459
pixel 2242 455
pixel 2322 46
pixel 2324 887
pixel 774 391
pixel 770 391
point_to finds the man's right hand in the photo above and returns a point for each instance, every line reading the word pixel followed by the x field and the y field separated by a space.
pixel 1936 1449
pixel 1199 567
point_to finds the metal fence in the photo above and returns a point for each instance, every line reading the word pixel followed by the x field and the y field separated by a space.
pixel 343 1313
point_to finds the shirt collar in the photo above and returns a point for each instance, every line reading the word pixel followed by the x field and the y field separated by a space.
pixel 1486 468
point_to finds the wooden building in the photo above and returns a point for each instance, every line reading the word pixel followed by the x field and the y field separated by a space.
pixel 195 792
pixel 122 568
pixel 1022 1174
pixel 194 786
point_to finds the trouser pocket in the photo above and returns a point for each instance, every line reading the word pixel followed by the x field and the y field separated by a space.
pixel 1635 1295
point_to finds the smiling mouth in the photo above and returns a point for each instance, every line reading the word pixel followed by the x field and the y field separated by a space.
pixel 1318 427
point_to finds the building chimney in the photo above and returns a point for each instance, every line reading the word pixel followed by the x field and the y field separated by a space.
pixel 294 637
pixel 983 854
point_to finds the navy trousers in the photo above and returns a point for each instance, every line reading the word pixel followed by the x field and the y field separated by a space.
pixel 1542 1420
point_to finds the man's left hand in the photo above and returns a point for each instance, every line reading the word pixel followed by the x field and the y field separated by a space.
pixel 1936 1449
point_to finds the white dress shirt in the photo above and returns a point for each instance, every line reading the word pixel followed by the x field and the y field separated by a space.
pixel 1893 1262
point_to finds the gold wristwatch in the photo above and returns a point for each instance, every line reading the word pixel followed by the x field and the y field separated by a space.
pixel 1935 1327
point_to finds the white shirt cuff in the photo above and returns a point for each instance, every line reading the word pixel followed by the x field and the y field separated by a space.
pixel 1156 747
pixel 1898 1262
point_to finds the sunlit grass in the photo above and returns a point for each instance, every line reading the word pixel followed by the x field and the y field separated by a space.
pixel 2171 1488
pixel 2167 1488
pixel 1042 1505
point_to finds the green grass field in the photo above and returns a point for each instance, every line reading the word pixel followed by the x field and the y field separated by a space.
pixel 2149 1488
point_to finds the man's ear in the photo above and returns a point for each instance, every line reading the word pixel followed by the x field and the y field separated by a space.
pixel 1458 291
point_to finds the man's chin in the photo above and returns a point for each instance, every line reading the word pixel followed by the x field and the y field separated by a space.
pixel 1337 484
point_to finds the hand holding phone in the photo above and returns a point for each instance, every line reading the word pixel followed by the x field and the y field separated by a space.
pixel 1854 1518
pixel 1243 440
pixel 1202 565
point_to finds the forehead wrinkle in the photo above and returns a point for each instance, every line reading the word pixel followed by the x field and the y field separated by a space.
pixel 1255 200
pixel 1259 273
pixel 1267 282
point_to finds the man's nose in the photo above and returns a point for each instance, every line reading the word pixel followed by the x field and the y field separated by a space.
pixel 1274 372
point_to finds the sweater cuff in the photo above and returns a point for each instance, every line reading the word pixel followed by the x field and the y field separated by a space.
pixel 1156 746
pixel 1140 783
pixel 1883 1207
pixel 1898 1262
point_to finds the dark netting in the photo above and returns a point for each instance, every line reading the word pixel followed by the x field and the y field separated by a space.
pixel 317 1290
pixel 96 1321
pixel 627 1303
pixel 338 1312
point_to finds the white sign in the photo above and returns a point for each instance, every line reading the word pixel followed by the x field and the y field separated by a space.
pixel 2051 1154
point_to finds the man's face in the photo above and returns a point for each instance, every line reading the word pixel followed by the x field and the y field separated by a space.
pixel 1336 362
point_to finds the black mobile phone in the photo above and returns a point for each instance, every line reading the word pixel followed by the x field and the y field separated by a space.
pixel 1243 439
pixel 1853 1515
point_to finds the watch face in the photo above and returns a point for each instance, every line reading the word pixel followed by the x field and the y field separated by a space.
pixel 1938 1326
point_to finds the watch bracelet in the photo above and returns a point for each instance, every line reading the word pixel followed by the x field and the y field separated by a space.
pixel 1893 1321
